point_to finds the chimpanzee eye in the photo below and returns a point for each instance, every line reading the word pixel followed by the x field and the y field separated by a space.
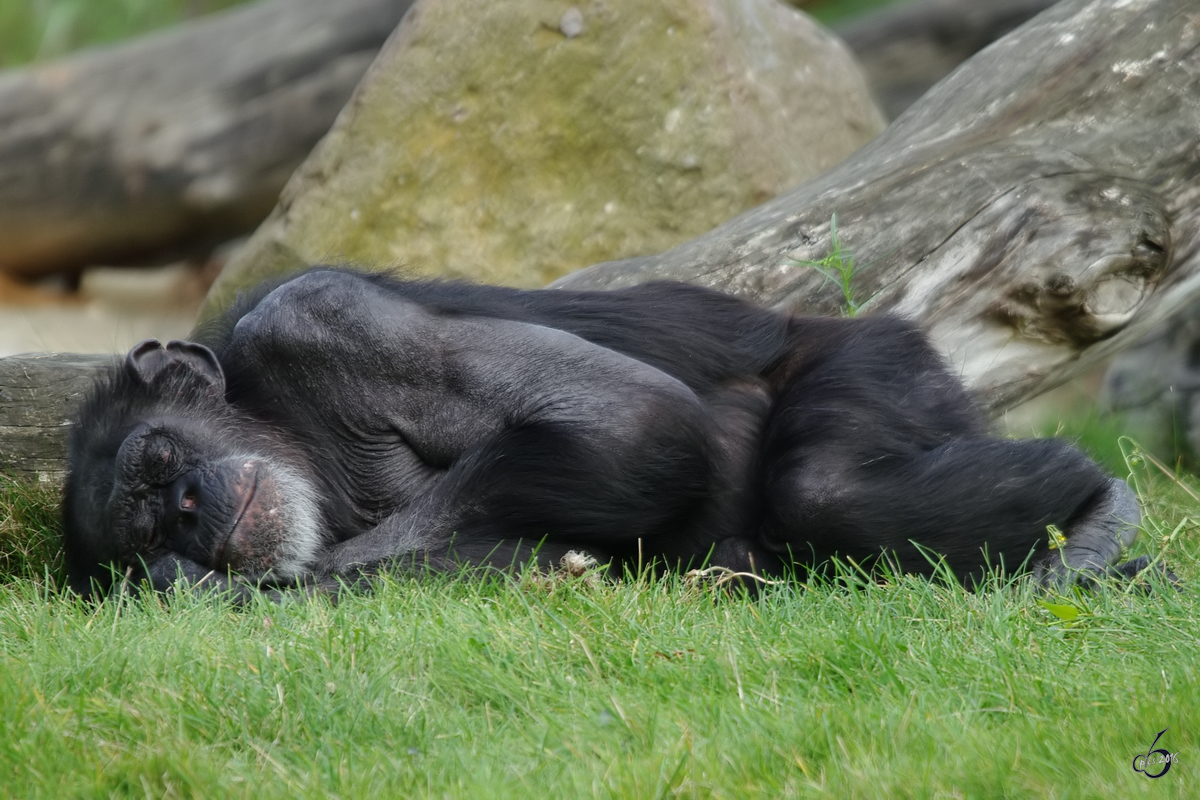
pixel 160 460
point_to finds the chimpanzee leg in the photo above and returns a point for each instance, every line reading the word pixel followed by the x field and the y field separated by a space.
pixel 972 501
pixel 1095 537
pixel 857 463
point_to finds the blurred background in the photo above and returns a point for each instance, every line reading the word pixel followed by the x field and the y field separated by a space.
pixel 94 281
pixel 96 294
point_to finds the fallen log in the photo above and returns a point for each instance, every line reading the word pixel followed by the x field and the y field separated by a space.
pixel 1036 211
pixel 38 395
pixel 187 134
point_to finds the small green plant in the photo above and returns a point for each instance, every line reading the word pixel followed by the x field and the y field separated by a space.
pixel 1057 539
pixel 1165 534
pixel 839 268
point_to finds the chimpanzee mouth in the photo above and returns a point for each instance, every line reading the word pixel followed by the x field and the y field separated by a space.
pixel 253 469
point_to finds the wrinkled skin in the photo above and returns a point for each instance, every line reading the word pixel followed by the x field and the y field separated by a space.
pixel 337 423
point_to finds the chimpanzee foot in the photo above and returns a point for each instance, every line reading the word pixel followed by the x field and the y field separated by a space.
pixel 1094 541
pixel 1142 567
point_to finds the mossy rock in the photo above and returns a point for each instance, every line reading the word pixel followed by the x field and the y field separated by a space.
pixel 515 142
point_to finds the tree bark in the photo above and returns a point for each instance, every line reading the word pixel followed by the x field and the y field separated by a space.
pixel 188 134
pixel 38 396
pixel 1037 211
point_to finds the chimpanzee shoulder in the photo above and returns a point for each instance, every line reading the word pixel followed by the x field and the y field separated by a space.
pixel 697 335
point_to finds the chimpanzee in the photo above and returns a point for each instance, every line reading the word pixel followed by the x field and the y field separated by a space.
pixel 337 422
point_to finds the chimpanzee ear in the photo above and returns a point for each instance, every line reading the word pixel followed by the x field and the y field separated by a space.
pixel 149 359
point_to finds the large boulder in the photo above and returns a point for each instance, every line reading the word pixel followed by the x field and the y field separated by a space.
pixel 514 142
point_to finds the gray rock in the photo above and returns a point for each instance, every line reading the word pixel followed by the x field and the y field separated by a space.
pixel 532 142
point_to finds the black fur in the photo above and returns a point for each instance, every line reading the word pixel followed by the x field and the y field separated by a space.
pixel 335 422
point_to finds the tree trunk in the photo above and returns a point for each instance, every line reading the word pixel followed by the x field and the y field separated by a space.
pixel 188 134
pixel 38 396
pixel 1036 211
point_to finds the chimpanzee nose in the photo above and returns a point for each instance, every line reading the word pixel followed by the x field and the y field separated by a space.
pixel 185 497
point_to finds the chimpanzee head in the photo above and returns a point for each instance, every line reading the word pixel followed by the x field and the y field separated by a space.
pixel 160 465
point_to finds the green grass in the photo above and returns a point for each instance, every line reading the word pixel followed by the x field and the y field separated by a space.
pixel 33 30
pixel 29 532
pixel 1097 434
pixel 562 689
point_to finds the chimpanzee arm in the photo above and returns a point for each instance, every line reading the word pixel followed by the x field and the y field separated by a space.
pixel 175 572
pixel 541 480
pixel 483 431
pixel 163 573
